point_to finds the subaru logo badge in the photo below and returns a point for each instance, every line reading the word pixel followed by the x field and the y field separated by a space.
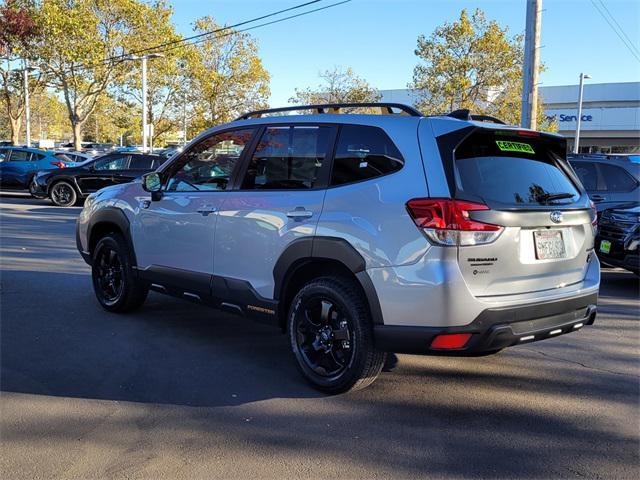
pixel 556 217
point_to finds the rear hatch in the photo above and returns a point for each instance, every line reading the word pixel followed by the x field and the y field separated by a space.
pixel 523 185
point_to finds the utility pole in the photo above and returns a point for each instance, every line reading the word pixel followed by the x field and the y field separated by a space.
pixel 27 110
pixel 576 142
pixel 529 113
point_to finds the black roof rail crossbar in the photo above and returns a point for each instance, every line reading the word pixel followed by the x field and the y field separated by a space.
pixel 335 108
pixel 465 114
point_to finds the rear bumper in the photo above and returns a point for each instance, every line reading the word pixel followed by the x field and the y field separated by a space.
pixel 495 328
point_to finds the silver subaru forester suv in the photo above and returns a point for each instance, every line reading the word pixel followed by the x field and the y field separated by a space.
pixel 358 234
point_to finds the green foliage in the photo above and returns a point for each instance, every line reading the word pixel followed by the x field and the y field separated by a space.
pixel 339 86
pixel 226 76
pixel 471 63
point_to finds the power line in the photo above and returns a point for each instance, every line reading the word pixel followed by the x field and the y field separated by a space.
pixel 80 66
pixel 202 40
pixel 630 48
pixel 619 27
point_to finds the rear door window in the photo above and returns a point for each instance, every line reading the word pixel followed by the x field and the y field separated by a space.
pixel 288 157
pixel 112 162
pixel 141 162
pixel 363 153
pixel 512 170
pixel 616 179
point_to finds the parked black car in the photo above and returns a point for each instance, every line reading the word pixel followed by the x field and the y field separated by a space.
pixel 65 187
pixel 610 181
pixel 618 238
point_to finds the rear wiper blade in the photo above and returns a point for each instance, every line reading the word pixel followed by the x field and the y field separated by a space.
pixel 546 197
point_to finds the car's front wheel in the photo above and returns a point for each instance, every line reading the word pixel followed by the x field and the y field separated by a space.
pixel 331 336
pixel 114 283
pixel 33 191
pixel 63 194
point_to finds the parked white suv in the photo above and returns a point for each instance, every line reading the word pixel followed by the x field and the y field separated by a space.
pixel 358 234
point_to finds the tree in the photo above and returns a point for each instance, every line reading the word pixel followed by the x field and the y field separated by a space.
pixel 340 86
pixel 472 63
pixel 227 75
pixel 17 31
pixel 83 48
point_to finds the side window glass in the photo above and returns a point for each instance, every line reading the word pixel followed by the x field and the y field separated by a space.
pixel 210 163
pixel 4 155
pixel 587 174
pixel 36 157
pixel 363 153
pixel 20 156
pixel 616 179
pixel 287 158
pixel 117 162
pixel 140 162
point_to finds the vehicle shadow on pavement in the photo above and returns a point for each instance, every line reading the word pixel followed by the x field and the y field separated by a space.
pixel 169 352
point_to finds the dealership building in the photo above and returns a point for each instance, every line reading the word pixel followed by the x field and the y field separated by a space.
pixel 610 114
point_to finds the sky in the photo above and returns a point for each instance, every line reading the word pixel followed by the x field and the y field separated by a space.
pixel 377 38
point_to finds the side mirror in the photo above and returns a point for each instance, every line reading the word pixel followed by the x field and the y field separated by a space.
pixel 151 182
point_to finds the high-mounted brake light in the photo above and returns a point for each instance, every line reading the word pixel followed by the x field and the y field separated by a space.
pixel 527 133
pixel 448 222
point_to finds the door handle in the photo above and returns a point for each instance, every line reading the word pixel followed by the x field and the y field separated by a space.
pixel 300 213
pixel 596 198
pixel 205 210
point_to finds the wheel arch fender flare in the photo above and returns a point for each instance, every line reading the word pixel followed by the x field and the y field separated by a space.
pixel 111 217
pixel 335 249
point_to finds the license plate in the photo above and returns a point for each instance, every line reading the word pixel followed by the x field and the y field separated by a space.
pixel 549 244
pixel 605 246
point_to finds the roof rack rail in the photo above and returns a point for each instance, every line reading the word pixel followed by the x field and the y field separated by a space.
pixel 465 114
pixel 385 109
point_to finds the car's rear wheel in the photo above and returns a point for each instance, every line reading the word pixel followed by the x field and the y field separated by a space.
pixel 63 194
pixel 114 283
pixel 331 336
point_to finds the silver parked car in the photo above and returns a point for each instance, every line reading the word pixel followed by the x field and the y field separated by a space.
pixel 358 234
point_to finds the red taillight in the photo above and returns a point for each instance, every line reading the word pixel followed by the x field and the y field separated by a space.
pixel 594 222
pixel 450 341
pixel 447 214
pixel 447 222
pixel 58 164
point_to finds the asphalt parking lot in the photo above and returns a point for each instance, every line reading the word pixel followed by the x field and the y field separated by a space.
pixel 178 390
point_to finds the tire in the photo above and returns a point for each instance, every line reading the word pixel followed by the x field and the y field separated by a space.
pixel 63 194
pixel 114 283
pixel 39 196
pixel 326 313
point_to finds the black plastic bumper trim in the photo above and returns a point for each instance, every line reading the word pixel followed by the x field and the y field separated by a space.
pixel 494 329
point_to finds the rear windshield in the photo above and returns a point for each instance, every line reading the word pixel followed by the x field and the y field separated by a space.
pixel 512 170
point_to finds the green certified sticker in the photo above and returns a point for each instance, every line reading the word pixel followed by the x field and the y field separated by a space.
pixel 518 147
pixel 605 246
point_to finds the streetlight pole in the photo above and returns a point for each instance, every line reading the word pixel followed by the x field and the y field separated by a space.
pixel 144 104
pixel 145 129
pixel 27 109
pixel 576 143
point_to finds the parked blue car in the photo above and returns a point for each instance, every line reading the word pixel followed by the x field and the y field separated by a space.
pixel 19 164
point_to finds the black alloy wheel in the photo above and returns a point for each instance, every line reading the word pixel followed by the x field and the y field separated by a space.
pixel 109 275
pixel 331 335
pixel 114 283
pixel 325 337
pixel 63 194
